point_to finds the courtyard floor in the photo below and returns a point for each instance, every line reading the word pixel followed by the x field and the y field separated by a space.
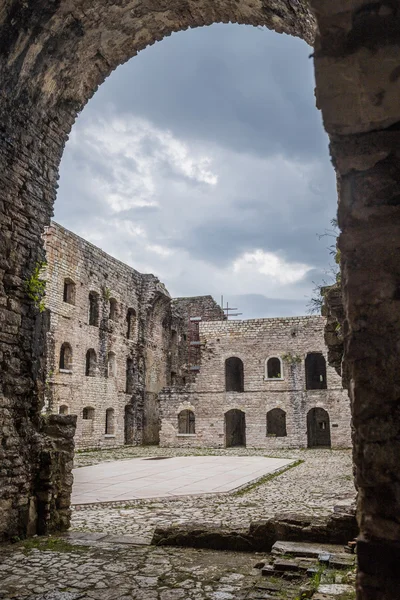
pixel 168 476
pixel 72 569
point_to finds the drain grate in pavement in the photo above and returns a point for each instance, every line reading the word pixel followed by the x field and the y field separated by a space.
pixel 158 458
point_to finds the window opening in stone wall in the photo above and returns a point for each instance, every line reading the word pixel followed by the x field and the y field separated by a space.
pixel 131 324
pixel 318 428
pixel 274 368
pixel 173 378
pixel 183 380
pixel 186 422
pixel 93 308
pixel 69 291
pixel 315 371
pixel 110 426
pixel 129 376
pixel 129 425
pixel 113 309
pixel 111 365
pixel 276 422
pixel 235 428
pixel 88 413
pixel 66 357
pixel 234 378
pixel 91 363
pixel 63 409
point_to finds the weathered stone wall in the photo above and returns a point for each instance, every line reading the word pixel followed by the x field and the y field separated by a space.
pixel 70 258
pixel 255 341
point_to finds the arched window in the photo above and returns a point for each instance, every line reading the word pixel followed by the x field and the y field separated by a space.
pixel 88 413
pixel 93 308
pixel 186 422
pixel 110 427
pixel 130 370
pixel 274 368
pixel 131 324
pixel 91 363
pixel 111 365
pixel 63 409
pixel 315 371
pixel 173 377
pixel 69 291
pixel 234 380
pixel 66 357
pixel 113 309
pixel 276 422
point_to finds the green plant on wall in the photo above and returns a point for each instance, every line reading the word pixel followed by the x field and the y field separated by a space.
pixel 106 293
pixel 36 286
pixel 291 358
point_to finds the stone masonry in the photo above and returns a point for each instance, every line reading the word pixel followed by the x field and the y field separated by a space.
pixel 53 57
pixel 255 342
pixel 108 368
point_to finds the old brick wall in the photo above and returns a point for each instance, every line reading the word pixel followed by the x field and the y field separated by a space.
pixel 71 258
pixel 254 341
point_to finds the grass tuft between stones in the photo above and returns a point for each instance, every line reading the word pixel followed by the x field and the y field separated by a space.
pixel 266 478
pixel 54 544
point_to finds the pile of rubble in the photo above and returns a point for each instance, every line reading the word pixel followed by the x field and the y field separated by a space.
pixel 297 571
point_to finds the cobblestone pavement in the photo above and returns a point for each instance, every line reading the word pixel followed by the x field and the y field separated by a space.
pixel 323 480
pixel 75 569
pixel 112 572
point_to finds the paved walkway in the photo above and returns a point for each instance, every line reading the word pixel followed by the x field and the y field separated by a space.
pixel 158 477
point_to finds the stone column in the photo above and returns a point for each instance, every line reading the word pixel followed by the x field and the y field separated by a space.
pixel 357 66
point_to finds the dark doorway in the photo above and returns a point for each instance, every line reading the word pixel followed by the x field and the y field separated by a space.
pixel 315 371
pixel 128 425
pixel 235 428
pixel 234 381
pixel 318 428
pixel 276 422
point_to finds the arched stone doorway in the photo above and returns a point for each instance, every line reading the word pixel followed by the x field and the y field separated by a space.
pixel 235 428
pixel 51 62
pixel 318 428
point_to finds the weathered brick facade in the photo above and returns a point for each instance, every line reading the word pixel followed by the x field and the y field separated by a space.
pixel 254 342
pixel 128 367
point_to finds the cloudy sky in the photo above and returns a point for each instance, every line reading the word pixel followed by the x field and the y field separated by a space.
pixel 203 160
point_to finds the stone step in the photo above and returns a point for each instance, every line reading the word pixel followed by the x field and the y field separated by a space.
pixel 306 549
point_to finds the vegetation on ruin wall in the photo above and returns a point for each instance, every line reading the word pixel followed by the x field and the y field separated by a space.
pixel 35 286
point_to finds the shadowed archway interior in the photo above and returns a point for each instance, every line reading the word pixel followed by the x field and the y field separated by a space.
pixel 53 56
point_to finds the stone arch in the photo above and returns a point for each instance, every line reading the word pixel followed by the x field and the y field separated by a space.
pixel 88 413
pixel 234 374
pixel 51 62
pixel 94 309
pixel 113 309
pixel 131 323
pixel 111 365
pixel 63 409
pixel 65 357
pixel 276 422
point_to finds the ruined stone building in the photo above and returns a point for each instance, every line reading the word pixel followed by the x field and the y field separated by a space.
pixel 114 341
pixel 263 383
pixel 129 361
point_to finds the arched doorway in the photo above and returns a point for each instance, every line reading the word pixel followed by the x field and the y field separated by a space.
pixel 235 428
pixel 318 428
pixel 234 377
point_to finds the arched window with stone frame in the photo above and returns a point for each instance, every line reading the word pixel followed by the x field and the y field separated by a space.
pixel 273 368
pixel 315 365
pixel 63 409
pixel 131 323
pixel 186 422
pixel 65 357
pixel 94 311
pixel 113 313
pixel 88 413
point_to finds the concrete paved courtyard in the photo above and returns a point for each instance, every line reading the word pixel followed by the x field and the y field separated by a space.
pixel 158 477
